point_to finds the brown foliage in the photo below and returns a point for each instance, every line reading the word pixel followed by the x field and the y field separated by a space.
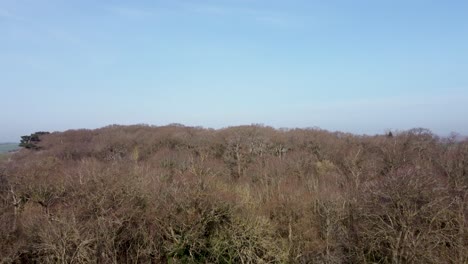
pixel 250 194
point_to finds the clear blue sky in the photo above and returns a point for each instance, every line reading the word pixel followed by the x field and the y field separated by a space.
pixel 354 66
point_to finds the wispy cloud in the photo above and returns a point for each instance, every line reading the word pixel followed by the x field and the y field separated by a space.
pixel 32 29
pixel 40 31
pixel 207 9
pixel 133 13
pixel 5 14
pixel 255 15
pixel 262 16
pixel 277 21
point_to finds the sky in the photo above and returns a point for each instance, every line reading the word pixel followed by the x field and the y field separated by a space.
pixel 361 66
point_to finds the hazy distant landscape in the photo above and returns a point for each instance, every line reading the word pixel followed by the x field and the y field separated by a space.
pixel 8 147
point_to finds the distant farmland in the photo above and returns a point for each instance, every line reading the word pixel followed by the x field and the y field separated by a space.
pixel 6 147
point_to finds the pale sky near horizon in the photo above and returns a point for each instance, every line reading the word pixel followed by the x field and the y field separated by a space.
pixel 361 66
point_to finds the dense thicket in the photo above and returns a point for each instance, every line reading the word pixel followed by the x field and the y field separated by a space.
pixel 251 194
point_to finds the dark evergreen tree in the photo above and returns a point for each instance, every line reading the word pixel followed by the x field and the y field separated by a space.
pixel 30 142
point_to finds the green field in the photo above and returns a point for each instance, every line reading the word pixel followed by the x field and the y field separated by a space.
pixel 6 147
